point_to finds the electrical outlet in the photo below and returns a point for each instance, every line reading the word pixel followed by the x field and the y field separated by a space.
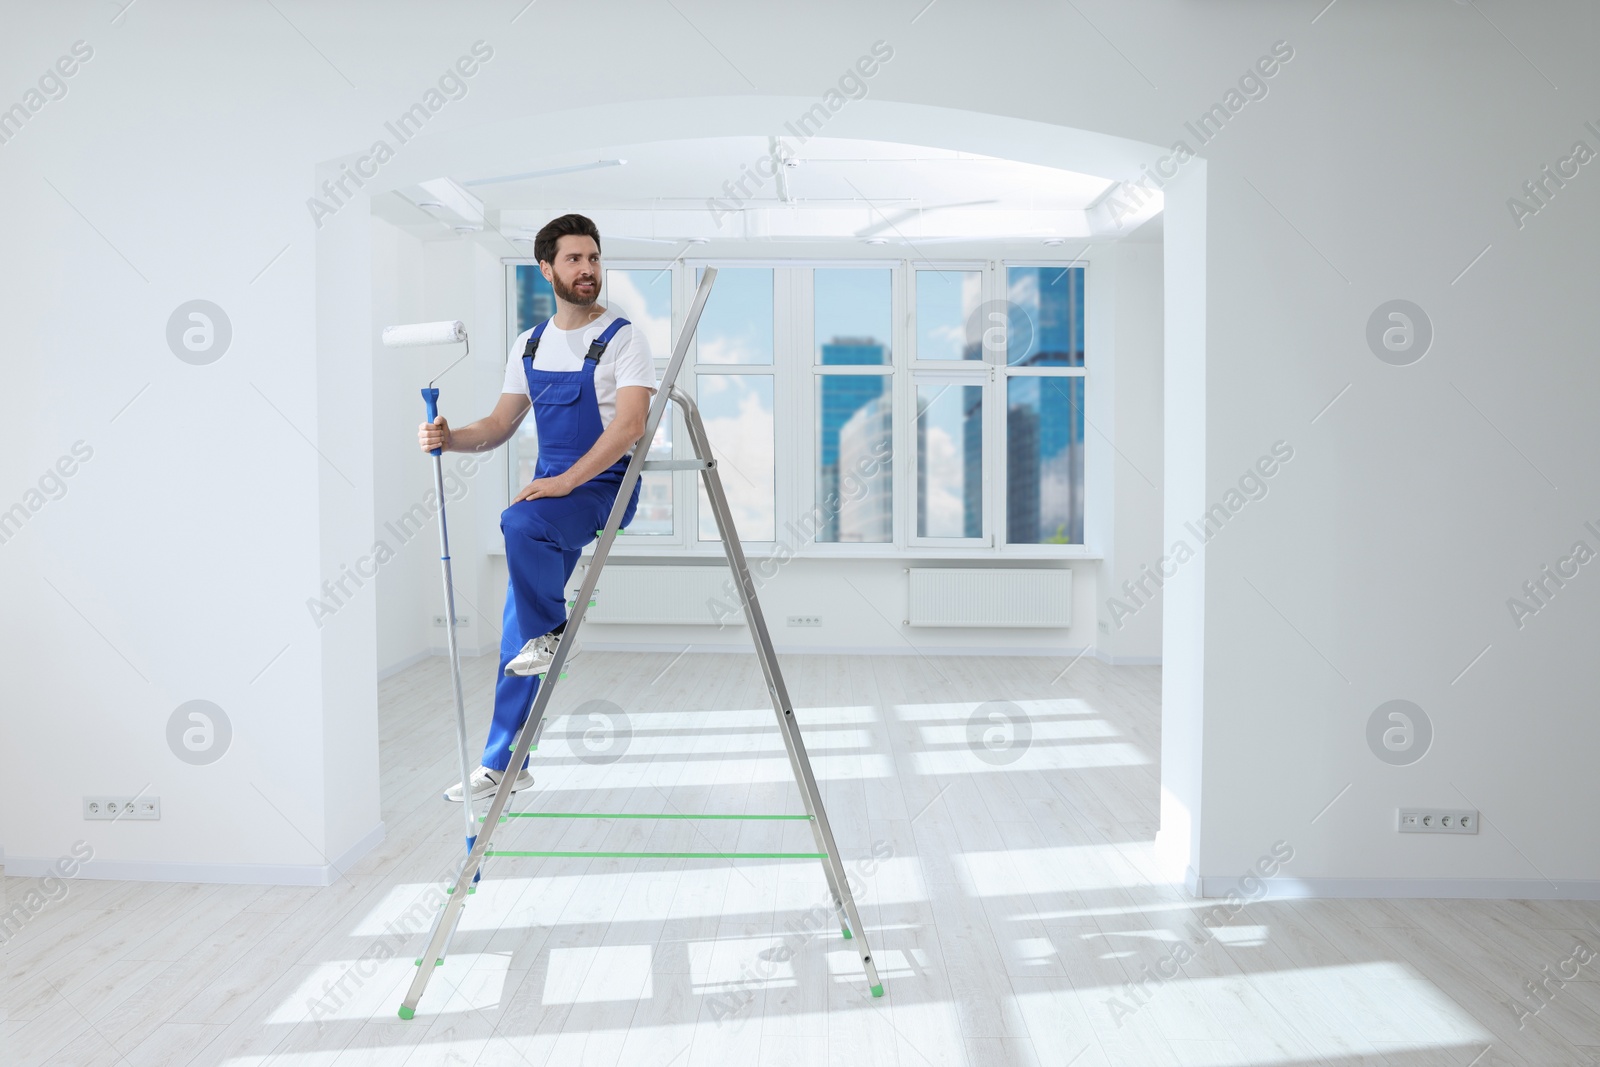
pixel 462 622
pixel 143 808
pixel 1436 821
pixel 805 620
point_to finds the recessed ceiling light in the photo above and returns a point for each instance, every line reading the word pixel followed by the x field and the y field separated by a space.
pixel 875 240
pixel 1055 240
pixel 429 204
pixel 466 227
pixel 698 240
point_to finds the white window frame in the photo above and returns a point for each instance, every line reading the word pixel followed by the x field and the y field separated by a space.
pixel 808 377
pixel 795 371
pixel 978 372
pixel 1004 373
pixel 783 429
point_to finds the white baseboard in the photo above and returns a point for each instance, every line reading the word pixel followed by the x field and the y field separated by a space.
pixel 308 874
pixel 1127 661
pixel 467 652
pixel 405 664
pixel 1283 887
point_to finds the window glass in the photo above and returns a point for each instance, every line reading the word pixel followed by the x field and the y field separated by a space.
pixel 949 460
pixel 736 324
pixel 854 487
pixel 644 298
pixel 536 301
pixel 1044 460
pixel 852 315
pixel 1046 326
pixel 947 301
pixel 737 411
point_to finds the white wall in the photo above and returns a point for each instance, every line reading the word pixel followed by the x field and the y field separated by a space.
pixel 406 586
pixel 435 281
pixel 1378 167
pixel 1128 427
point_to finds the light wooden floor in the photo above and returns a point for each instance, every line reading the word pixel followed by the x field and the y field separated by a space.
pixel 1012 903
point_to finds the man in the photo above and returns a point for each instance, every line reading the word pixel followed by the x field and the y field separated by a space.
pixel 587 374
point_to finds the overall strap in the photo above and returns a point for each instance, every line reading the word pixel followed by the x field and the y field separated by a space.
pixel 597 347
pixel 533 345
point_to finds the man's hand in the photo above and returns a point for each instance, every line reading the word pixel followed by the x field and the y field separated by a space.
pixel 434 435
pixel 543 487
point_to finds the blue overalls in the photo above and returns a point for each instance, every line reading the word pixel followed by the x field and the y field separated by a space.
pixel 545 537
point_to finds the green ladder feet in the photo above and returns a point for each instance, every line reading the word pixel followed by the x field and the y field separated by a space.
pixel 845 930
pixel 877 991
pixel 407 1013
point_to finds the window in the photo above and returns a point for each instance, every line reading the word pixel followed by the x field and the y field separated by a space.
pixel 1049 330
pixel 1044 406
pixel 949 459
pixel 644 298
pixel 861 407
pixel 854 488
pixel 733 384
pixel 534 301
pixel 947 308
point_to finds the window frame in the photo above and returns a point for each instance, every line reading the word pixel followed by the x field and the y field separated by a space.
pixel 979 372
pixel 795 369
pixel 1005 372
pixel 808 376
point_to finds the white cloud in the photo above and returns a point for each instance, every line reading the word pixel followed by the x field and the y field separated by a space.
pixel 743 445
pixel 623 294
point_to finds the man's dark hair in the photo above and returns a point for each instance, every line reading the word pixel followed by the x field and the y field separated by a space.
pixel 544 243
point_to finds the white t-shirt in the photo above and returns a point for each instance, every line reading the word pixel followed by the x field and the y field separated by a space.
pixel 627 360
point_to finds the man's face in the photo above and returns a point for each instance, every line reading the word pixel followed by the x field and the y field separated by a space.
pixel 575 274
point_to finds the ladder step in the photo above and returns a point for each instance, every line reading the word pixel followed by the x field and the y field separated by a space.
pixel 664 855
pixel 617 815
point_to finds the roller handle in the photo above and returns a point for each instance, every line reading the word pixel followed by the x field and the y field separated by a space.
pixel 430 397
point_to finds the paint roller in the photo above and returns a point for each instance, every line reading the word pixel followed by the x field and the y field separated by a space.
pixel 424 333
pixel 416 335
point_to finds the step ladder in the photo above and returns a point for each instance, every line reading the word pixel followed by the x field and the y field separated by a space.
pixel 782 707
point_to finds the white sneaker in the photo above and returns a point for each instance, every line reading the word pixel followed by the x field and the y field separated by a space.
pixel 486 781
pixel 537 655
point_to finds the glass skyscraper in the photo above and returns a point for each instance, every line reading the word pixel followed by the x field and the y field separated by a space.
pixel 839 398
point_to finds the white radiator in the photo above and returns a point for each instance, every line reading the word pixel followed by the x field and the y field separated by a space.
pixel 682 596
pixel 1034 597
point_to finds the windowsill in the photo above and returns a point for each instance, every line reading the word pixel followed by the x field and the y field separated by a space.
pixel 712 552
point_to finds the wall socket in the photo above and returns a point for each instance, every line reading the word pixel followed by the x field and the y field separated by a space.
pixel 143 808
pixel 1436 821
pixel 805 620
pixel 462 621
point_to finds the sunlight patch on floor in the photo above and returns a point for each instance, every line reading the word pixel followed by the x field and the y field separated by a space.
pixel 592 974
pixel 1059 869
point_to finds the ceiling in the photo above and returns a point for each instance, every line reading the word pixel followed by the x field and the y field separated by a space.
pixel 712 190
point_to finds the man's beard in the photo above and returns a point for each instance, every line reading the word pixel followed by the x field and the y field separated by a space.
pixel 573 296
